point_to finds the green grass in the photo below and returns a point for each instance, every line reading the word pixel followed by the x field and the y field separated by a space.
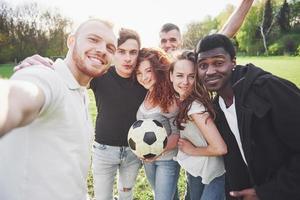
pixel 6 70
pixel 285 67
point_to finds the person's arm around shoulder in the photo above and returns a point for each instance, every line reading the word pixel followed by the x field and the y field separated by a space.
pixel 236 19
pixel 215 143
pixel 34 60
pixel 20 102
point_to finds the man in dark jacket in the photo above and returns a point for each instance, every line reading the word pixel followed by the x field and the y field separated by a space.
pixel 258 115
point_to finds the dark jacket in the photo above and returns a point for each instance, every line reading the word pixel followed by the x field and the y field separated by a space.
pixel 268 113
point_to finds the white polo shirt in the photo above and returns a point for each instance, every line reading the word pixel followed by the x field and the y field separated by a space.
pixel 49 158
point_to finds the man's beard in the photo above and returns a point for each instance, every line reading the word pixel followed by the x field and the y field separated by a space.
pixel 82 67
pixel 78 61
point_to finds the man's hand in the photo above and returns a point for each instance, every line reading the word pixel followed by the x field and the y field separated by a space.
pixel 34 60
pixel 246 194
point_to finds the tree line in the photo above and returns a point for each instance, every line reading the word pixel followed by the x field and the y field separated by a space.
pixel 28 29
pixel 272 27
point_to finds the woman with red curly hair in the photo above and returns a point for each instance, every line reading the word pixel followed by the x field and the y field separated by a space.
pixel 160 104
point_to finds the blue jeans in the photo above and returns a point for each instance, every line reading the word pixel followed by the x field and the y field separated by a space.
pixel 215 190
pixel 107 161
pixel 163 176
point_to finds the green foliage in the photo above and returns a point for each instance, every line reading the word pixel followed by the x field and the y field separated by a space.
pixel 6 53
pixel 249 32
pixel 276 49
pixel 287 44
pixel 278 42
pixel 267 16
pixel 26 30
pixel 262 30
pixel 295 14
pixel 290 43
pixel 283 17
pixel 298 51
pixel 197 30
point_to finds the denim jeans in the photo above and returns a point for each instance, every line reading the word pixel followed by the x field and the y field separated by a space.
pixel 107 161
pixel 215 190
pixel 163 176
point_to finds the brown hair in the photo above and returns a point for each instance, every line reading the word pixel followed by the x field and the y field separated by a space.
pixel 162 94
pixel 199 93
pixel 168 27
pixel 126 34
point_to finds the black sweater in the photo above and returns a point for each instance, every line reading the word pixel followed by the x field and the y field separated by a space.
pixel 117 101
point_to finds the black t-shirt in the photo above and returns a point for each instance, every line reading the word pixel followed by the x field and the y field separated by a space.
pixel 117 101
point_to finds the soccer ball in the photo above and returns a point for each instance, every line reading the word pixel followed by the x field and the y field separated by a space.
pixel 147 138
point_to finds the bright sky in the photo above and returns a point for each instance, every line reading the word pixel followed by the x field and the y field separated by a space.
pixel 144 16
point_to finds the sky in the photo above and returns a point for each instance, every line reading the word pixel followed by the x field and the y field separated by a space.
pixel 144 16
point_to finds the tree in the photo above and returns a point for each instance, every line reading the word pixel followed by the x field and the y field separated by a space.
pixel 58 27
pixel 248 37
pixel 283 17
pixel 25 30
pixel 197 30
pixel 295 14
pixel 266 24
pixel 6 49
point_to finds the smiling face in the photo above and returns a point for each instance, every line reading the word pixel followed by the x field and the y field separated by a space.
pixel 93 47
pixel 183 77
pixel 214 68
pixel 145 75
pixel 126 57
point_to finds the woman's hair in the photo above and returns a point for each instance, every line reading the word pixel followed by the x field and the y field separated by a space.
pixel 162 94
pixel 199 92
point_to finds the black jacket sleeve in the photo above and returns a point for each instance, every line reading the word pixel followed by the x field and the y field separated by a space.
pixel 284 98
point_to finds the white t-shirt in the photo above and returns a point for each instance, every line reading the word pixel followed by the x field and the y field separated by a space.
pixel 230 114
pixel 207 167
pixel 49 158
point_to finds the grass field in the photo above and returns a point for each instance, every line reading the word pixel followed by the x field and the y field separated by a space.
pixel 286 67
pixel 283 66
pixel 6 70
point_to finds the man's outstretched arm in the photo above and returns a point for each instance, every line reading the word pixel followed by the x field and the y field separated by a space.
pixel 236 19
pixel 20 104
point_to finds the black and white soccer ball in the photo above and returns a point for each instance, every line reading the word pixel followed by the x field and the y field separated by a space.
pixel 147 138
